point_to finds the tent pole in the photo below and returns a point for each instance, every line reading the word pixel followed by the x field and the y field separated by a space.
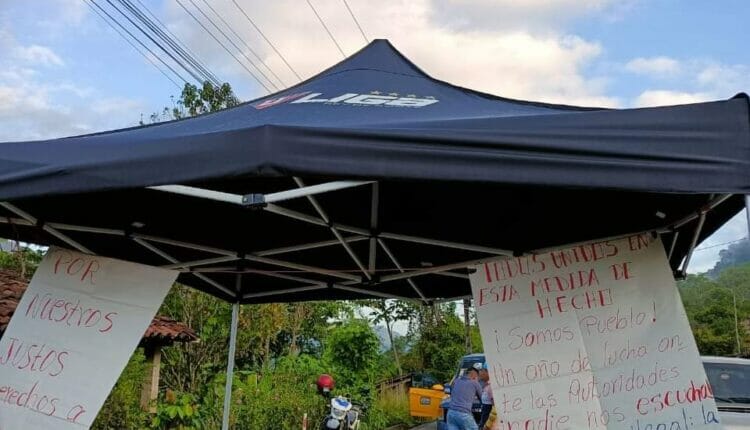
pixel 674 242
pixel 230 359
pixel 694 242
pixel 374 209
pixel 747 212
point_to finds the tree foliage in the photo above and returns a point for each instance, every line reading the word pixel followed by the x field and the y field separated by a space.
pixel 710 306
pixel 195 100
pixel 352 351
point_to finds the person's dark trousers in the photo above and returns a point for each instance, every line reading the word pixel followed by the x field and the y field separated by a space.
pixel 486 410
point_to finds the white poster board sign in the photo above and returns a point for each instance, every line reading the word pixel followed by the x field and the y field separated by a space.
pixel 591 337
pixel 71 336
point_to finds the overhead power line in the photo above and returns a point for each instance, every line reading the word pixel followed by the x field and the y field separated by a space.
pixel 189 70
pixel 188 53
pixel 356 22
pixel 115 21
pixel 149 59
pixel 188 62
pixel 266 39
pixel 252 63
pixel 720 244
pixel 249 48
pixel 195 18
pixel 335 42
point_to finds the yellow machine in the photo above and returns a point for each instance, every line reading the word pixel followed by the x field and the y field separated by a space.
pixel 425 402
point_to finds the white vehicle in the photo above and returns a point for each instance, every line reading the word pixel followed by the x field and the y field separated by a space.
pixel 730 381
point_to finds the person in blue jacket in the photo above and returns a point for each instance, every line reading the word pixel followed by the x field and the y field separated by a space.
pixel 465 390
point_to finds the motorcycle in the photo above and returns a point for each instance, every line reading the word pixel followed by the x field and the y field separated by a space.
pixel 344 415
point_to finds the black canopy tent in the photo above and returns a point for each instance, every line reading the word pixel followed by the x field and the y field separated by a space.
pixel 373 179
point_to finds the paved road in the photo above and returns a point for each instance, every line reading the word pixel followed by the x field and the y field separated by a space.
pixel 428 426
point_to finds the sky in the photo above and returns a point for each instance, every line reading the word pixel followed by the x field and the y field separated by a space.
pixel 63 71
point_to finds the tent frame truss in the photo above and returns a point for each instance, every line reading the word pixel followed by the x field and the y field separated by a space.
pixel 344 281
pixel 347 282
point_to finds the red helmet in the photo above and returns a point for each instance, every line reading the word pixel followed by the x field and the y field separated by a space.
pixel 325 384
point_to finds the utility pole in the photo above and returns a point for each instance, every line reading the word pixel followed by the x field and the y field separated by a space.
pixel 736 325
pixel 467 325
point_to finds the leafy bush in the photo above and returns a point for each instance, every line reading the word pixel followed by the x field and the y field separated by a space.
pixel 122 408
pixel 391 408
pixel 278 398
pixel 179 412
pixel 352 350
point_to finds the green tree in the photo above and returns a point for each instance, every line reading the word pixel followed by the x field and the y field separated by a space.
pixel 710 307
pixel 189 367
pixel 387 312
pixel 352 351
pixel 437 339
pixel 24 260
pixel 196 100
pixel 208 98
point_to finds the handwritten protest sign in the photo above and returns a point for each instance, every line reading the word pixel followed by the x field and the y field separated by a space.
pixel 72 334
pixel 591 337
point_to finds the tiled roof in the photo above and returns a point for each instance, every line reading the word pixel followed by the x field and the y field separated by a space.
pixel 162 331
pixel 167 330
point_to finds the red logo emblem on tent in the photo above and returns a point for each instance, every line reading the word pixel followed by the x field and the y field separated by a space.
pixel 279 100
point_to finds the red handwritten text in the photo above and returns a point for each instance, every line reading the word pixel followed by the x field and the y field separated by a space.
pixel 81 267
pixel 61 310
pixel 34 357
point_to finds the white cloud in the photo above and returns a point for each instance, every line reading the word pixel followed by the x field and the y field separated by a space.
pixel 38 106
pixel 538 16
pixel 526 60
pixel 31 111
pixel 36 54
pixel 654 66
pixel 726 79
pixel 30 55
pixel 651 98
pixel 693 81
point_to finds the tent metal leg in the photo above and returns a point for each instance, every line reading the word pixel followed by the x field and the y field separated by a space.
pixel 694 242
pixel 230 359
pixel 715 201
pixel 671 247
pixel 747 212
pixel 374 209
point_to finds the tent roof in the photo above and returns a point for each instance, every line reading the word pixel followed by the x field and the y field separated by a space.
pixel 454 176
